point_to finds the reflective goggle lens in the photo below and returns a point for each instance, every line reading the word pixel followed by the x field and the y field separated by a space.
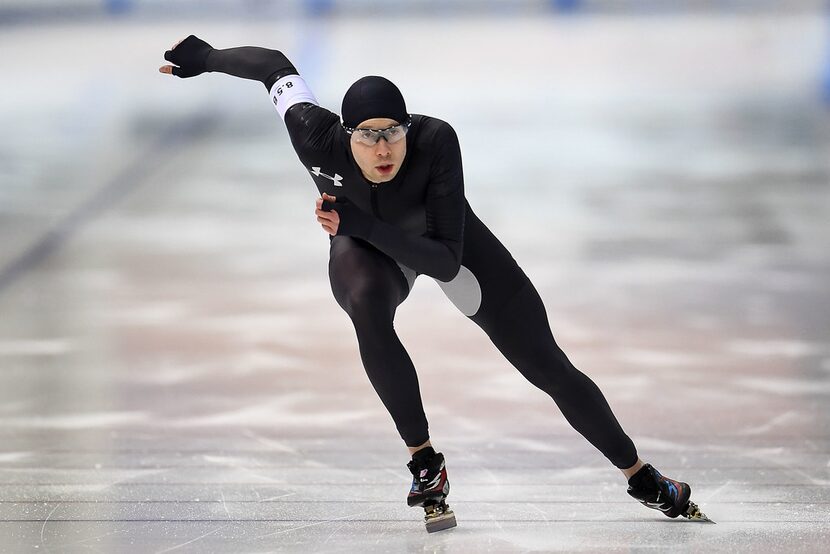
pixel 370 137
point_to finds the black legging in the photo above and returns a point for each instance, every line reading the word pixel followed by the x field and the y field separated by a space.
pixel 370 285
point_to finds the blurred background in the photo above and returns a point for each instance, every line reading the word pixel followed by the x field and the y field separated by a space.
pixel 660 169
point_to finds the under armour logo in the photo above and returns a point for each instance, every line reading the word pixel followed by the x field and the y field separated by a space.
pixel 336 179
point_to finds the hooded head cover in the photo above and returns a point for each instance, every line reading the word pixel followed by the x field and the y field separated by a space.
pixel 373 97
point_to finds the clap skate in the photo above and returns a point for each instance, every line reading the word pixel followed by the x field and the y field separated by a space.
pixel 430 488
pixel 667 495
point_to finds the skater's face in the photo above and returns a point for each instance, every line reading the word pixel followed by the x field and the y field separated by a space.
pixel 381 161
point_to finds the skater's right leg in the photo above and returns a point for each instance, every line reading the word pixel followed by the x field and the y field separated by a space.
pixel 369 286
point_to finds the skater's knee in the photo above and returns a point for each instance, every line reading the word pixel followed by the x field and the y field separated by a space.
pixel 555 375
pixel 362 286
pixel 364 300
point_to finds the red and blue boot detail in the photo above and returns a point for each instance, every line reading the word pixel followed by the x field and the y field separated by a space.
pixel 430 488
pixel 658 492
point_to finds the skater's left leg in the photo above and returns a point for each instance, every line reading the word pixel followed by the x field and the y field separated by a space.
pixel 521 332
pixel 495 293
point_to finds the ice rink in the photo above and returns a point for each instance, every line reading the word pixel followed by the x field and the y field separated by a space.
pixel 175 374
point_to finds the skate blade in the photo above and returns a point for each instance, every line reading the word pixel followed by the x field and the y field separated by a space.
pixel 440 522
pixel 693 513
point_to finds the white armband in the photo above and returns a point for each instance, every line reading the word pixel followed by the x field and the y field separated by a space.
pixel 291 90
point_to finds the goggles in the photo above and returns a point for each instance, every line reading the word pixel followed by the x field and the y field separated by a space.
pixel 370 137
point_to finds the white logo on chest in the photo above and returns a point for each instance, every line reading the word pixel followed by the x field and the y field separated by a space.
pixel 336 179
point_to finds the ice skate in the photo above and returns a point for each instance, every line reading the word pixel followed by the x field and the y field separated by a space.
pixel 430 488
pixel 667 495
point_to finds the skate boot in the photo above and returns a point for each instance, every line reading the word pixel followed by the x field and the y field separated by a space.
pixel 661 493
pixel 430 488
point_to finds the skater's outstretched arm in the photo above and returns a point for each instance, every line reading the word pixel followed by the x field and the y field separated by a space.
pixel 307 123
pixel 193 56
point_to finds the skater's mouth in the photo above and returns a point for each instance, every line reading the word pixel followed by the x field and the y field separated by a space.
pixel 385 169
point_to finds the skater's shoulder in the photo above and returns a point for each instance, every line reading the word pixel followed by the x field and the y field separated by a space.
pixel 431 127
pixel 306 114
pixel 312 127
pixel 435 137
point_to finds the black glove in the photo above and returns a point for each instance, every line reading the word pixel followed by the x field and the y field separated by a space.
pixel 190 55
pixel 353 221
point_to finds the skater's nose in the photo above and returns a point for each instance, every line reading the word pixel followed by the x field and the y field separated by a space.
pixel 382 149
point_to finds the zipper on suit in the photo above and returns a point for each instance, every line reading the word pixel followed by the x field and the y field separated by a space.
pixel 374 193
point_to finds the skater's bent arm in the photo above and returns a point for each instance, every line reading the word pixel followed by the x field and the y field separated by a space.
pixel 438 252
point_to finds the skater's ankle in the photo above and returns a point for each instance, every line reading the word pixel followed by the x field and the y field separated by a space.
pixel 630 471
pixel 424 455
pixel 414 449
pixel 642 480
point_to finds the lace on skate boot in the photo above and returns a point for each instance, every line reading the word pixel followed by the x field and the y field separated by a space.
pixel 660 493
pixel 430 487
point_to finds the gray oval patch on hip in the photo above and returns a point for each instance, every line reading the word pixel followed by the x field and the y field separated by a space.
pixel 464 291
pixel 408 274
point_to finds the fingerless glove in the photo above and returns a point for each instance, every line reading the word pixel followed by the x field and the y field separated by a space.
pixel 190 55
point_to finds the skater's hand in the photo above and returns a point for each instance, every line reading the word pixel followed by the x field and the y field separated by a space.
pixel 190 55
pixel 343 218
pixel 330 220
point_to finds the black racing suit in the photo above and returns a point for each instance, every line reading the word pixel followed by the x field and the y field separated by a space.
pixel 420 223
